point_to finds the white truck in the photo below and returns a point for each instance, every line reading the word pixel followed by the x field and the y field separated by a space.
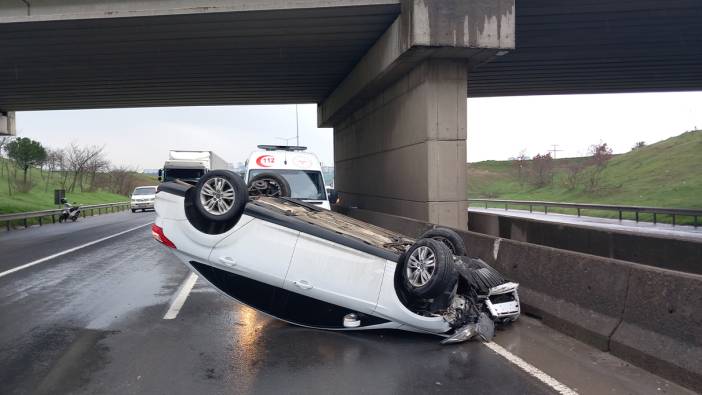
pixel 299 171
pixel 189 166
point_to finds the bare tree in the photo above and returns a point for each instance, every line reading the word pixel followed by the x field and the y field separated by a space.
pixel 54 161
pixel 600 154
pixel 78 159
pixel 542 169
pixel 122 180
pixel 520 163
pixel 573 168
pixel 639 145
pixel 95 165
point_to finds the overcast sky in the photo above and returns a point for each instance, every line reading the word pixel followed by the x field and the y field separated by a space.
pixel 498 128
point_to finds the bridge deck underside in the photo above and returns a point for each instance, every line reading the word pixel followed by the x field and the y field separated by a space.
pixel 301 55
pixel 258 57
pixel 598 46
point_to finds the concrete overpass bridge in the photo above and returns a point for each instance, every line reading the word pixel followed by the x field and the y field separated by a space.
pixel 390 76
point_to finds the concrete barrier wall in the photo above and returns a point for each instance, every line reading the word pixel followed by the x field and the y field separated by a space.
pixel 661 327
pixel 651 317
pixel 663 252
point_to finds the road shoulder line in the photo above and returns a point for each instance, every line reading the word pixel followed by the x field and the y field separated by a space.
pixel 181 296
pixel 68 251
pixel 531 369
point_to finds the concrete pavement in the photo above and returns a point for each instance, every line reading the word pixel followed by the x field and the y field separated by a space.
pixel 683 232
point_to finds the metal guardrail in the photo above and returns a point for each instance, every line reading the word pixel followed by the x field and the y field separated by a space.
pixel 54 213
pixel 673 212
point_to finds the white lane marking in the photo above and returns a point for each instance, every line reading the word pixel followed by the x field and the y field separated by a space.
pixel 68 251
pixel 531 369
pixel 181 296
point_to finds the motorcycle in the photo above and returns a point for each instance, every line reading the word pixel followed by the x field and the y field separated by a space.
pixel 69 212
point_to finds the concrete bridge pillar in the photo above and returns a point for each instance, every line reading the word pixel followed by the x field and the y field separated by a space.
pixel 399 117
pixel 404 152
pixel 7 123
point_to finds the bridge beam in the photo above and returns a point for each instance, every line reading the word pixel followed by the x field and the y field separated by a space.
pixel 7 123
pixel 399 117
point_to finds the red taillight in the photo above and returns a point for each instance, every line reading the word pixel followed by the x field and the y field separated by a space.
pixel 157 233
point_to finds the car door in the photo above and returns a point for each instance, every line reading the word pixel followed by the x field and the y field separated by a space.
pixel 259 251
pixel 335 274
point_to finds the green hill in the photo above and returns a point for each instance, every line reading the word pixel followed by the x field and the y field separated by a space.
pixel 38 199
pixel 664 174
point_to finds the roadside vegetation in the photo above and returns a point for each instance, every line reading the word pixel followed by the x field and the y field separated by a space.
pixel 665 174
pixel 29 173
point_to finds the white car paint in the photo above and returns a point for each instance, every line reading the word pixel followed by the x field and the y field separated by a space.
pixel 141 201
pixel 303 264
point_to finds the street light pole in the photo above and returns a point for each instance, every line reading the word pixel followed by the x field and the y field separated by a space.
pixel 297 127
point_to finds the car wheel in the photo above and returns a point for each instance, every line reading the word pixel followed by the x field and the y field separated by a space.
pixel 133 211
pixel 268 184
pixel 451 239
pixel 218 201
pixel 428 269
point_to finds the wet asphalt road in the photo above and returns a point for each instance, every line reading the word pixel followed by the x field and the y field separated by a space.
pixel 92 322
pixel 684 232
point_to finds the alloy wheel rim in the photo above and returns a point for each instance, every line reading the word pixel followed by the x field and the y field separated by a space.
pixel 421 266
pixel 217 196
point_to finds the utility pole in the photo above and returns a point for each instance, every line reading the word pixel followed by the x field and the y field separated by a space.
pixel 286 139
pixel 554 150
pixel 297 127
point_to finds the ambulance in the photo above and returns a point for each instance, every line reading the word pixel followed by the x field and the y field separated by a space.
pixel 301 170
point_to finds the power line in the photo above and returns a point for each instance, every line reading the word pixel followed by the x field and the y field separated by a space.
pixel 554 150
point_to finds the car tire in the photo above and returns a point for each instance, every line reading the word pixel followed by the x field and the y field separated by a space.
pixel 268 184
pixel 133 211
pixel 427 269
pixel 450 238
pixel 216 202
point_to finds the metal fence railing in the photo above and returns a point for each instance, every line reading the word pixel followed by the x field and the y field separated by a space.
pixel 24 218
pixel 637 210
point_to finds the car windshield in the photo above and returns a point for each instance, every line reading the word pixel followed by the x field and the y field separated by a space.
pixel 145 191
pixel 182 174
pixel 304 184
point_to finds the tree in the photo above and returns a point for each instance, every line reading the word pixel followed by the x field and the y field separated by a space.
pixel 26 153
pixel 521 165
pixel 5 165
pixel 53 162
pixel 122 180
pixel 639 145
pixel 78 159
pixel 4 140
pixel 600 154
pixel 573 170
pixel 95 165
pixel 542 169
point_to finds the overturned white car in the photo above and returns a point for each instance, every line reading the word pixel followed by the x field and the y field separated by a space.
pixel 313 267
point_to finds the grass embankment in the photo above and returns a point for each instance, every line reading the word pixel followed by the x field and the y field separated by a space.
pixel 42 198
pixel 664 174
